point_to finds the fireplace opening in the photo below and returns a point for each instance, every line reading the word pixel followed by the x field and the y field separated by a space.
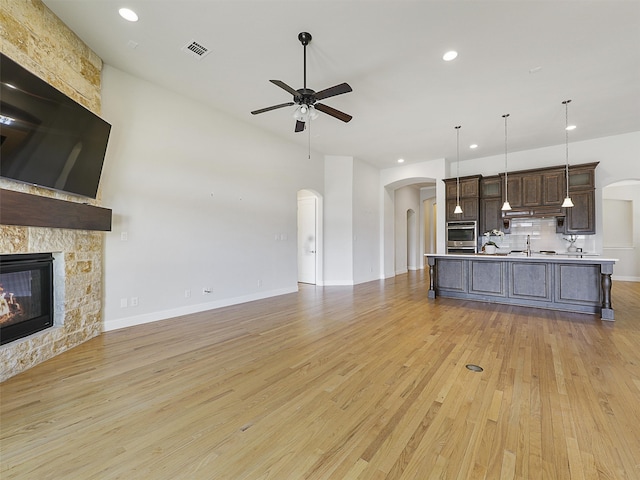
pixel 26 295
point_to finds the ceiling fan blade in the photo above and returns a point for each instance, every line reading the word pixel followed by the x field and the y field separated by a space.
pixel 286 87
pixel 333 112
pixel 333 91
pixel 299 126
pixel 262 110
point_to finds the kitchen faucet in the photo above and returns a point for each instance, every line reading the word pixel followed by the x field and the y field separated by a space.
pixel 528 245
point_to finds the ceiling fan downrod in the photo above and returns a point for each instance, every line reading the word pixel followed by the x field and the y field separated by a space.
pixel 305 38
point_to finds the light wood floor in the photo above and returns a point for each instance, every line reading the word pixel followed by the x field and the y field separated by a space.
pixel 365 382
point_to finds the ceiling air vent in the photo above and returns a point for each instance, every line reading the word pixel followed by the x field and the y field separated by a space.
pixel 196 49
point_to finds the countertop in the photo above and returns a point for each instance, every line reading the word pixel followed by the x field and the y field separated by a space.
pixel 536 257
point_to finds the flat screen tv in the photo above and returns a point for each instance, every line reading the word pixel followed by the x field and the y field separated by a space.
pixel 46 138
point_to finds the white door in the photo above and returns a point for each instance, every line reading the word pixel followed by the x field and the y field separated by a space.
pixel 307 240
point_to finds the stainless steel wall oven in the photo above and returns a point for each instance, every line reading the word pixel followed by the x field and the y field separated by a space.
pixel 462 237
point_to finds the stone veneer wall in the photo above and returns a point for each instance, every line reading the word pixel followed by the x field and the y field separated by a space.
pixel 33 36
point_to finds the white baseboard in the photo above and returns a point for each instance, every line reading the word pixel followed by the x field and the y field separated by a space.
pixel 200 307
pixel 338 283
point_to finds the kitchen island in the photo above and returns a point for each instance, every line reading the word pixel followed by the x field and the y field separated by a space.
pixel 556 282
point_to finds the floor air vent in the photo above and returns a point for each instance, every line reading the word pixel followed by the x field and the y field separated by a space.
pixel 196 49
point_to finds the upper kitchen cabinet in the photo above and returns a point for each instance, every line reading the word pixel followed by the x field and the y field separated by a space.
pixel 531 189
pixel 469 187
pixel 582 177
pixel 513 192
pixel 536 188
pixel 469 198
pixel 553 182
pixel 469 210
pixel 490 203
pixel 581 218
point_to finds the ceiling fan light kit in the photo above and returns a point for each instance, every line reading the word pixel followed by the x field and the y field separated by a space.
pixel 306 98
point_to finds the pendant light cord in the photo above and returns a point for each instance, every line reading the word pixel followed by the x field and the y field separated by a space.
pixel 458 165
pixel 506 170
pixel 566 137
pixel 309 136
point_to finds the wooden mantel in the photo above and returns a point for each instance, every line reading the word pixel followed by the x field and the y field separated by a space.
pixel 25 209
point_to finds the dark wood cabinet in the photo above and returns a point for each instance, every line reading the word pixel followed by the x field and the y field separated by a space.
pixel 490 214
pixel 490 204
pixel 469 198
pixel 553 187
pixel 491 187
pixel 469 187
pixel 581 218
pixel 531 193
pixel 469 210
pixel 531 190
pixel 513 192
pixel 582 177
pixel 544 187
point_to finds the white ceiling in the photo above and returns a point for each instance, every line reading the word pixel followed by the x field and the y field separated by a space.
pixel 406 100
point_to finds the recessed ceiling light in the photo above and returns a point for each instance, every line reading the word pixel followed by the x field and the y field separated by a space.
pixel 473 145
pixel 401 160
pixel 450 55
pixel 571 127
pixel 128 14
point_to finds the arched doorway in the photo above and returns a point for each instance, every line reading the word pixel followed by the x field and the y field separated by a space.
pixel 403 229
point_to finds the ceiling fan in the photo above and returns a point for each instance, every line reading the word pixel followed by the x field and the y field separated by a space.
pixel 307 99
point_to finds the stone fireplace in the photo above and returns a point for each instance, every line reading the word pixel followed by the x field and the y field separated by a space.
pixel 35 38
pixel 77 293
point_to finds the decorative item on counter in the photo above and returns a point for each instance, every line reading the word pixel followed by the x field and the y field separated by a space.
pixel 572 240
pixel 490 246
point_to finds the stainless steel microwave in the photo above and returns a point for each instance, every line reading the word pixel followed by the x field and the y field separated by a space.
pixel 462 237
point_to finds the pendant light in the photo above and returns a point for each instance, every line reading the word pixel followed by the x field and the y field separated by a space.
pixel 505 205
pixel 458 209
pixel 567 201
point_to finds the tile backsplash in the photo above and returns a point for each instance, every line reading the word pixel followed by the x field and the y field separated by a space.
pixel 543 237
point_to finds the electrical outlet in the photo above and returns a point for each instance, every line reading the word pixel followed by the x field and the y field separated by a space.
pixel 123 303
pixel 187 294
pixel 259 283
pixel 134 301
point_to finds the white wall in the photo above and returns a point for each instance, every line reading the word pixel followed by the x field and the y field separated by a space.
pixel 366 222
pixel 406 198
pixel 204 201
pixel 338 220
pixel 628 267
